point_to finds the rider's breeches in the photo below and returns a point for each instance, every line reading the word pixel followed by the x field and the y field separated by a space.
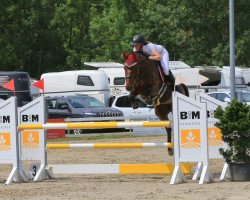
pixel 165 63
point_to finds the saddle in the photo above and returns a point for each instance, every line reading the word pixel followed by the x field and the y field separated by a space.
pixel 167 86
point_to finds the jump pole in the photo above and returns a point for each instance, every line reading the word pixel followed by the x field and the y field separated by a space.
pixel 110 145
pixel 150 168
pixel 94 125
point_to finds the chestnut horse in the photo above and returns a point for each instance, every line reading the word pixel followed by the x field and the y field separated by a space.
pixel 143 79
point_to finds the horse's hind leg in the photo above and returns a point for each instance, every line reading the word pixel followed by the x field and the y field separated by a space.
pixel 169 131
pixel 162 112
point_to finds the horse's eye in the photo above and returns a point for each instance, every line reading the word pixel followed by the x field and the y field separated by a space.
pixel 131 67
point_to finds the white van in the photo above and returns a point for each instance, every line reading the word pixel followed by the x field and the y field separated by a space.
pixel 89 82
pixel 183 74
pixel 239 76
pixel 116 78
pixel 115 73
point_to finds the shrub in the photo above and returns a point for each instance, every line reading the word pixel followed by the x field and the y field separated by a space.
pixel 234 123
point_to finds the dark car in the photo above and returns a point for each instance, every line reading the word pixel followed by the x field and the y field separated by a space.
pixel 79 107
pixel 21 83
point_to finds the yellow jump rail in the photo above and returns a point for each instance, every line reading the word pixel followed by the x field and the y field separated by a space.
pixel 87 125
pixel 110 145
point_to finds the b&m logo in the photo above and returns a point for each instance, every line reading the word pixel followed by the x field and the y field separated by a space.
pixel 190 115
pixel 4 119
pixel 190 139
pixel 30 118
pixel 195 114
pixel 210 114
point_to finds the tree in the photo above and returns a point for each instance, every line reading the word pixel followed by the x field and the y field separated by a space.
pixel 29 42
pixel 40 36
pixel 71 21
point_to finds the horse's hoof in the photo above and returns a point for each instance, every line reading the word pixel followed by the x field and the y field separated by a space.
pixel 170 152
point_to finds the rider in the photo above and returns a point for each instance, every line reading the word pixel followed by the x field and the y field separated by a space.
pixel 154 51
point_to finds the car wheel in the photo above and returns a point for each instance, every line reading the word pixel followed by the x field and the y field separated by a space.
pixel 78 131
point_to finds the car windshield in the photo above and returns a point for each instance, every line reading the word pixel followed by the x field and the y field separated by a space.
pixel 85 102
pixel 246 97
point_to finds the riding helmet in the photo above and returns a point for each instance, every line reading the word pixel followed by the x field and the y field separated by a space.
pixel 138 39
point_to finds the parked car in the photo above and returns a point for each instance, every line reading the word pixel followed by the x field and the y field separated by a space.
pixel 21 83
pixel 122 102
pixel 242 96
pixel 79 107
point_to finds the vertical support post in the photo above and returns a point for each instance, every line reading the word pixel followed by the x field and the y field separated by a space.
pixel 232 51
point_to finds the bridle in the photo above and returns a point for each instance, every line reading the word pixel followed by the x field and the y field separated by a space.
pixel 135 78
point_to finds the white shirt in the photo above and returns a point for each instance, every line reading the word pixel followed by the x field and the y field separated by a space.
pixel 150 47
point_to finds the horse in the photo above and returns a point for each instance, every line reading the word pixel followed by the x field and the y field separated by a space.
pixel 144 79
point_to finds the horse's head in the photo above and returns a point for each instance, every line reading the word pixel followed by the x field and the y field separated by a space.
pixel 133 70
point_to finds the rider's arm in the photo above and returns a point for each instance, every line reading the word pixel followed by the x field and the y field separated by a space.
pixel 155 55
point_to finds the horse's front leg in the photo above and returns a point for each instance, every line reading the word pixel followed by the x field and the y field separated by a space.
pixel 162 112
pixel 134 102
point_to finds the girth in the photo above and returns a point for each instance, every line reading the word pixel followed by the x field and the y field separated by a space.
pixel 162 95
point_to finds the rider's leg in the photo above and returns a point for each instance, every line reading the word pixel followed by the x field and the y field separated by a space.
pixel 165 63
pixel 165 67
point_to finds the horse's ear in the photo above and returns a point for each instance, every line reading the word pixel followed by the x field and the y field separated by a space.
pixel 135 56
pixel 125 55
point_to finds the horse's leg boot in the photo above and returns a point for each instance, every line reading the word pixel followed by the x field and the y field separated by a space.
pixel 170 151
pixel 149 99
pixel 133 101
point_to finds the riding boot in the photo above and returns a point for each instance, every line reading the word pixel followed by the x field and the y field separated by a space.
pixel 170 80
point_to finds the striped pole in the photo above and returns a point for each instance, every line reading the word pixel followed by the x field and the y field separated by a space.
pixel 87 125
pixel 150 168
pixel 110 145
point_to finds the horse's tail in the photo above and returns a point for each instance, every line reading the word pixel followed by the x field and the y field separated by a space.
pixel 182 88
